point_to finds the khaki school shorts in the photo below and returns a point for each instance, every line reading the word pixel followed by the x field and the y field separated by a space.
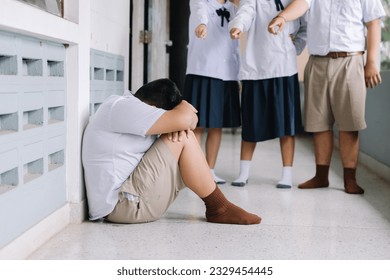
pixel 335 93
pixel 155 183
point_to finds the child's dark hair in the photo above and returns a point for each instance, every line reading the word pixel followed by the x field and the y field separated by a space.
pixel 162 93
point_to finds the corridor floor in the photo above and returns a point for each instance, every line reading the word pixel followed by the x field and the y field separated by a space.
pixel 297 224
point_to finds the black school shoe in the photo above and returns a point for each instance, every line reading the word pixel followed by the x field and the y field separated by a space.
pixel 239 184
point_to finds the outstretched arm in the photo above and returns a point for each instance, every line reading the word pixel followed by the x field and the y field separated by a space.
pixel 371 72
pixel 243 18
pixel 182 117
pixel 293 11
pixel 199 8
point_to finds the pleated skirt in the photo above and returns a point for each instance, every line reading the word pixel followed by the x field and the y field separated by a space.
pixel 217 101
pixel 271 108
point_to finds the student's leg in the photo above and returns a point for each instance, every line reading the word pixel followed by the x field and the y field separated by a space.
pixel 349 152
pixel 198 133
pixel 196 176
pixel 213 142
pixel 247 150
pixel 349 148
pixel 323 145
pixel 287 147
pixel 193 165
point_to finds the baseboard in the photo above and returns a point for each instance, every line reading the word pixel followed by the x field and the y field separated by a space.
pixel 380 169
pixel 78 212
pixel 35 237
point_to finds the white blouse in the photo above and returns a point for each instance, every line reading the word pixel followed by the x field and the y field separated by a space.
pixel 217 55
pixel 266 55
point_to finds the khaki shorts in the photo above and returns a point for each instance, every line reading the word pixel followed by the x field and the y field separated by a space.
pixel 155 182
pixel 335 92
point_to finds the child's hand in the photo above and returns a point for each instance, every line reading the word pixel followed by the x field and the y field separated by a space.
pixel 372 75
pixel 276 25
pixel 177 136
pixel 235 33
pixel 201 31
pixel 188 106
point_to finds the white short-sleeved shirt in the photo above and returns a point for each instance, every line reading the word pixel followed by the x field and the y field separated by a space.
pixel 265 55
pixel 215 56
pixel 114 142
pixel 339 25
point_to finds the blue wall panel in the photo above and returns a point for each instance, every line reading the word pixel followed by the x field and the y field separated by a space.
pixel 32 132
pixel 106 77
pixel 375 140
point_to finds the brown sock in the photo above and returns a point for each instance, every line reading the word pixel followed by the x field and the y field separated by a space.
pixel 320 180
pixel 350 184
pixel 220 210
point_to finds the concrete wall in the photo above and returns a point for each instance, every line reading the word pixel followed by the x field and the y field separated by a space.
pixel 375 140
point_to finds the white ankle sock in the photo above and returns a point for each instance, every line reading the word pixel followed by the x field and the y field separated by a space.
pixel 286 180
pixel 217 179
pixel 245 166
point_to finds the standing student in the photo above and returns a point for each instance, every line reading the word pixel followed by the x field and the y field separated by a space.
pixel 270 88
pixel 211 83
pixel 336 77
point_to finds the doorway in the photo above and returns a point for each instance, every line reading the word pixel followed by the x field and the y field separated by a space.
pixel 179 14
pixel 149 27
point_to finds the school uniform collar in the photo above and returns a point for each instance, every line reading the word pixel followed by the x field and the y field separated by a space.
pixel 221 10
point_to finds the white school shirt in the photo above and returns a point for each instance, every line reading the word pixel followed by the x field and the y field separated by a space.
pixel 215 56
pixel 113 144
pixel 339 25
pixel 266 55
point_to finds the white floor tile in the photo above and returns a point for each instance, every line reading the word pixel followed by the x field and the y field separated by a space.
pixel 297 224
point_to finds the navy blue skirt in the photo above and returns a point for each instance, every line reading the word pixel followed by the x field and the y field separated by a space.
pixel 217 101
pixel 271 108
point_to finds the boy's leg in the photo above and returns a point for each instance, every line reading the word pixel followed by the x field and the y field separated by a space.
pixel 196 175
pixel 349 110
pixel 318 117
pixel 192 163
pixel 349 151
pixel 323 145
pixel 349 148
pixel 150 189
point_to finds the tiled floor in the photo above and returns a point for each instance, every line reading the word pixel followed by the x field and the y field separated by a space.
pixel 297 224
